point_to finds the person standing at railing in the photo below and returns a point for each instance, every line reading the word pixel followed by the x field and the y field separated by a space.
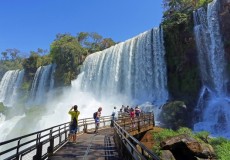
pixel 137 111
pixel 132 116
pixel 97 120
pixel 114 116
pixel 74 123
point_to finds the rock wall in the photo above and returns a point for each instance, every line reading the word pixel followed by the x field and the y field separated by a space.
pixel 224 14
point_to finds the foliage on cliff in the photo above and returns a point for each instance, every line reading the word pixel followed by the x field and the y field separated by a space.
pixel 181 55
pixel 10 61
pixel 66 53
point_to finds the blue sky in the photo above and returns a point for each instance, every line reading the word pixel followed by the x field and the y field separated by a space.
pixel 31 24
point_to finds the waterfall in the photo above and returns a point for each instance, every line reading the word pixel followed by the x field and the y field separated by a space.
pixel 43 83
pixel 9 86
pixel 213 103
pixel 135 69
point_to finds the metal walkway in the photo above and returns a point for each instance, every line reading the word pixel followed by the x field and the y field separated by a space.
pixel 89 147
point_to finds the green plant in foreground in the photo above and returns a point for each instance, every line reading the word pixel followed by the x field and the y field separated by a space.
pixel 221 147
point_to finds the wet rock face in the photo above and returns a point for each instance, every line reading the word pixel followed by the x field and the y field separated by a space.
pixel 185 147
pixel 224 17
pixel 174 115
pixel 225 24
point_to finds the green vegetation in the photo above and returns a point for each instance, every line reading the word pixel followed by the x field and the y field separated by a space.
pixel 67 52
pixel 10 61
pixel 221 147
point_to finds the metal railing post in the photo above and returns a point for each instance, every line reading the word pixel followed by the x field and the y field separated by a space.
pixel 50 149
pixel 153 120
pixel 18 146
pixel 39 152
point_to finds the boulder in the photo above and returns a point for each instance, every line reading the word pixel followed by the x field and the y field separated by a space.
pixel 167 155
pixel 186 147
pixel 174 115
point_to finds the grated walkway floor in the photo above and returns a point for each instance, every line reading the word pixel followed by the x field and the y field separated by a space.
pixel 89 146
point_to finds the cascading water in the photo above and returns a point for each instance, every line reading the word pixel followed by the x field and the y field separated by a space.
pixel 214 102
pixel 9 86
pixel 135 69
pixel 43 83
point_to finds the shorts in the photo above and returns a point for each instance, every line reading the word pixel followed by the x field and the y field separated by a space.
pixel 73 129
pixel 97 120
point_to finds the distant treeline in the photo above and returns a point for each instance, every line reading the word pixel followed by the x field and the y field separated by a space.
pixel 66 51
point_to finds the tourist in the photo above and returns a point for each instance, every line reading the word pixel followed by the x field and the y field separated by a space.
pixel 137 111
pixel 132 116
pixel 74 123
pixel 114 115
pixel 97 119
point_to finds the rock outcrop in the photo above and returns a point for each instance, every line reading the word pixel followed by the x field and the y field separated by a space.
pixel 174 115
pixel 185 147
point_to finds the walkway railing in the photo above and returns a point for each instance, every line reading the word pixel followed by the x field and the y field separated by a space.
pixel 136 149
pixel 41 144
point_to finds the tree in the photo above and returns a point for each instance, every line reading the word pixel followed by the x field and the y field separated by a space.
pixel 13 53
pixel 106 43
pixel 4 55
pixel 66 52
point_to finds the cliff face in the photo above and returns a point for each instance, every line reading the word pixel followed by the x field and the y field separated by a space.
pixel 224 14
pixel 225 23
pixel 184 81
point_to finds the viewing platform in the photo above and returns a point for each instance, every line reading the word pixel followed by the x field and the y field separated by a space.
pixel 110 143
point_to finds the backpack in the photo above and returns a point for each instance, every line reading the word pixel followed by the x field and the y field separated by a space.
pixel 74 122
pixel 94 115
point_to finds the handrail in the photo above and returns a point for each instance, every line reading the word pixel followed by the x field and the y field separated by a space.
pixel 34 144
pixel 131 143
pixel 41 144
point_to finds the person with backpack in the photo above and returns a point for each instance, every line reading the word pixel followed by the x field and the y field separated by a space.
pixel 74 123
pixel 96 117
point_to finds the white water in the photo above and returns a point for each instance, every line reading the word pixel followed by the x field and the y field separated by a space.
pixel 130 72
pixel 134 70
pixel 9 86
pixel 214 102
pixel 43 83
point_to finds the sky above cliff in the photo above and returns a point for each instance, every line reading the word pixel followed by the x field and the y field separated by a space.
pixel 27 25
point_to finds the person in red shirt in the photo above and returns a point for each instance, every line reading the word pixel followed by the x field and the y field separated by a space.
pixel 132 116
